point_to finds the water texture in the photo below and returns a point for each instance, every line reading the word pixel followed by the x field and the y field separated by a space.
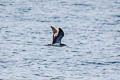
pixel 92 36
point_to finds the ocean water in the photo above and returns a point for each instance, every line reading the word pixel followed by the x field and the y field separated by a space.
pixel 92 36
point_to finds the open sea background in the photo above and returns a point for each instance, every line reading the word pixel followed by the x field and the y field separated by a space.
pixel 92 35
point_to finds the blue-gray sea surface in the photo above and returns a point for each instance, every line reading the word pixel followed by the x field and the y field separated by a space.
pixel 92 36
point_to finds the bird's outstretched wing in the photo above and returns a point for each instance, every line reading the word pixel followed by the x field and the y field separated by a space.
pixel 54 30
pixel 60 36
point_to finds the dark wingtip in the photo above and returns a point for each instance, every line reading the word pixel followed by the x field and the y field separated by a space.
pixel 51 26
pixel 60 30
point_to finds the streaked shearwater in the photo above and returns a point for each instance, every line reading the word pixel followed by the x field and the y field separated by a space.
pixel 57 37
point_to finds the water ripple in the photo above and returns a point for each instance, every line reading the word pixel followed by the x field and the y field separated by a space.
pixel 80 4
pixel 103 63
pixel 92 33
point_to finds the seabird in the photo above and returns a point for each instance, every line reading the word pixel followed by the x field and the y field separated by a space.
pixel 57 36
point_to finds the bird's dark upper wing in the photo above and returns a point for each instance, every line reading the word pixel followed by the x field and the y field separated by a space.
pixel 60 36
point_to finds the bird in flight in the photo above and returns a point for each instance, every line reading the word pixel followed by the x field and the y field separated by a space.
pixel 57 36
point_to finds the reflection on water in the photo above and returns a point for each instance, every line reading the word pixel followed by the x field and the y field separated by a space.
pixel 92 36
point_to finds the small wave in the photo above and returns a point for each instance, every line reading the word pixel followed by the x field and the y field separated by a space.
pixel 79 4
pixel 117 2
pixel 114 62
pixel 97 63
pixel 58 78
pixel 103 63
pixel 116 16
pixel 6 4
pixel 43 21
pixel 24 9
pixel 37 74
pixel 2 5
